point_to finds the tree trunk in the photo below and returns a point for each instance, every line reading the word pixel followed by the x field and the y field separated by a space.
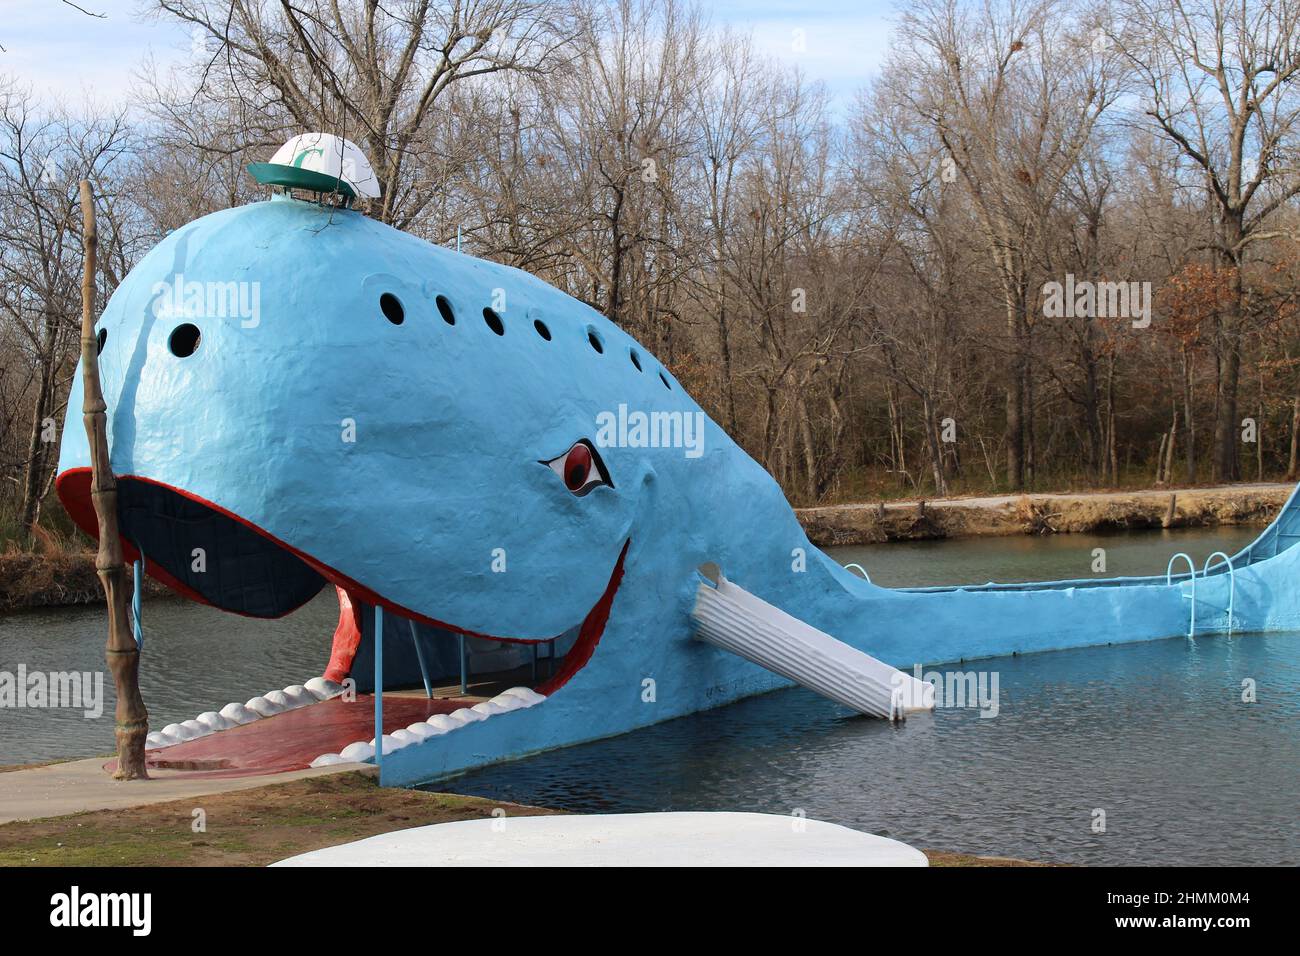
pixel 1226 459
pixel 1015 400
pixel 1188 412
pixel 132 720
pixel 33 470
pixel 1294 461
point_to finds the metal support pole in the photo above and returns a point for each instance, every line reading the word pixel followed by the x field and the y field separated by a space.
pixel 137 600
pixel 464 667
pixel 379 688
pixel 419 656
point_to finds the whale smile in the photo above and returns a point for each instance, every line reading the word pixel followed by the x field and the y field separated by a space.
pixel 218 558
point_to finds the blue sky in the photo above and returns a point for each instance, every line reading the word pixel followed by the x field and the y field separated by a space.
pixel 58 50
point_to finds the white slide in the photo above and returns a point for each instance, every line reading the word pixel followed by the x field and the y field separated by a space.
pixel 731 618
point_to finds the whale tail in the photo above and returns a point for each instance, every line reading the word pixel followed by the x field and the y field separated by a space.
pixel 729 617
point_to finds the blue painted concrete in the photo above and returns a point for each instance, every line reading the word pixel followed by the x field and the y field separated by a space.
pixel 451 424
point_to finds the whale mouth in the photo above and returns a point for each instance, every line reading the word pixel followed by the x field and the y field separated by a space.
pixel 215 557
pixel 212 556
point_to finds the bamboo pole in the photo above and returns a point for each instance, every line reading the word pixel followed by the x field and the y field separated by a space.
pixel 132 720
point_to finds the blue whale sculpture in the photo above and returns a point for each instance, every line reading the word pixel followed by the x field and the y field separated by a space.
pixel 301 396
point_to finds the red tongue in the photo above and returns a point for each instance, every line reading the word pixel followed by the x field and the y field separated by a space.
pixel 347 638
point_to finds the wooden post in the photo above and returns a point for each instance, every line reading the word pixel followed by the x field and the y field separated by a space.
pixel 132 720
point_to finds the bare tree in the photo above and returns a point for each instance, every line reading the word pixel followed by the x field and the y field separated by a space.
pixel 372 72
pixel 1218 78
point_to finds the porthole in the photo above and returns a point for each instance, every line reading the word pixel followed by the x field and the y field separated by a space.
pixel 445 310
pixel 184 340
pixel 392 308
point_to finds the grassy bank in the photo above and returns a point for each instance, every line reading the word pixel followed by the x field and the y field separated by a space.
pixel 29 580
pixel 260 826
pixel 1061 513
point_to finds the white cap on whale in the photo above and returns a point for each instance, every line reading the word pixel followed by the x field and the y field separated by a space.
pixel 321 162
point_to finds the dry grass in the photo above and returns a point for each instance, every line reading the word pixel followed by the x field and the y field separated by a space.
pixel 58 577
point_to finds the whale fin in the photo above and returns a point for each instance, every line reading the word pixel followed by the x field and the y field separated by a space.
pixel 731 618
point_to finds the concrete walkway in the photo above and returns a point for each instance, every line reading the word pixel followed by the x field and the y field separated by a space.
pixel 79 785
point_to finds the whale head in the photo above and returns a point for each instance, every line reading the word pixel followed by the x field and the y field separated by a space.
pixel 301 396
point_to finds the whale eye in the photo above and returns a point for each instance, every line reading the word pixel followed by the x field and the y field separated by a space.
pixel 580 468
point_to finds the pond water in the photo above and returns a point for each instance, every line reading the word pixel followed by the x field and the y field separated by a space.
pixel 1155 735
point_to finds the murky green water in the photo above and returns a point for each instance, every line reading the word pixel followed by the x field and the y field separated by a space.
pixel 1155 735
pixel 1042 558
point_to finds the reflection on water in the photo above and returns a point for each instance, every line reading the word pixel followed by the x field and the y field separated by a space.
pixel 1154 734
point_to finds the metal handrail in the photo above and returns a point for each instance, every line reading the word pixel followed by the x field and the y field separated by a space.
pixel 866 577
pixel 1191 631
pixel 1232 582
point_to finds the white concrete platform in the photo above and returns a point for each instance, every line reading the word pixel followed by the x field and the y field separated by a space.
pixel 622 839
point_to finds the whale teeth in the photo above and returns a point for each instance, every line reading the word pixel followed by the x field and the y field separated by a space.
pixel 526 694
pixel 516 698
pixel 235 714
pixel 299 696
pixel 322 689
pixel 213 721
pixel 238 714
pixel 329 760
pixel 357 751
pixel 421 730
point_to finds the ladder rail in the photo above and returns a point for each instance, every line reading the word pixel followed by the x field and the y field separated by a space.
pixel 1232 582
pixel 1191 630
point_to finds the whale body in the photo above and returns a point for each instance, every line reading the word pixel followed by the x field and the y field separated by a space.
pixel 301 397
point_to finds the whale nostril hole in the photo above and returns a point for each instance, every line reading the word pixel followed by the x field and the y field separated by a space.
pixel 184 340
pixel 664 378
pixel 100 338
pixel 595 341
pixel 392 308
pixel 493 322
pixel 636 359
pixel 445 310
pixel 542 330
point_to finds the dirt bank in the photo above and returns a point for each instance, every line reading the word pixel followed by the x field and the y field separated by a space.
pixel 257 827
pixel 46 580
pixel 1043 514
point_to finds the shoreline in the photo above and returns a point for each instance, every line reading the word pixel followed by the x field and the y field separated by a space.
pixel 31 581
pixel 257 826
pixel 1043 513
